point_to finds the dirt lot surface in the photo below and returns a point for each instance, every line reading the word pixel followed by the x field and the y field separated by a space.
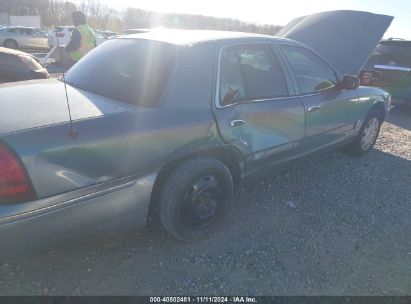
pixel 330 226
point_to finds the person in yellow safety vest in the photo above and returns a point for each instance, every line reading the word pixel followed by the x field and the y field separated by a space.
pixel 82 38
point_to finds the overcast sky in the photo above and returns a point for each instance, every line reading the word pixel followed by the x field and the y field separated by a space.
pixel 277 12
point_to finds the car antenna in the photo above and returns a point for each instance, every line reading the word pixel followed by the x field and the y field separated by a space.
pixel 73 132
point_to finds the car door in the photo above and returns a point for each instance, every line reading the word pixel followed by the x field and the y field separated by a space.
pixel 38 39
pixel 330 111
pixel 15 34
pixel 25 38
pixel 255 106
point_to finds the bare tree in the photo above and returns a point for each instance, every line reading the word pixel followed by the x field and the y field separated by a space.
pixel 102 16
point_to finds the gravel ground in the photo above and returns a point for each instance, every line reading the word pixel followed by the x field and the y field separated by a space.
pixel 331 226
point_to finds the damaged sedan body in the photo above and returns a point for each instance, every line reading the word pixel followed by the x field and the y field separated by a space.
pixel 168 124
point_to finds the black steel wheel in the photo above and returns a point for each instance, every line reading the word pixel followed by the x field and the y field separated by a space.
pixel 195 198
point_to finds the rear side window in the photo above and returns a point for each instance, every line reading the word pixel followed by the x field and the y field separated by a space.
pixel 133 71
pixel 250 72
pixel 398 51
pixel 311 72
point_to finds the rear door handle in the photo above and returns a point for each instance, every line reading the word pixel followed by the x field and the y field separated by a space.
pixel 237 123
pixel 313 108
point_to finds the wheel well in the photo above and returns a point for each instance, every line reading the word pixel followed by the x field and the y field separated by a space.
pixel 221 154
pixel 10 39
pixel 380 108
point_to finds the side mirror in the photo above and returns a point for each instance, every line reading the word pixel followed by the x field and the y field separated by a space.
pixel 350 82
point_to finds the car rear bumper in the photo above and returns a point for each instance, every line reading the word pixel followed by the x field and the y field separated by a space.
pixel 111 207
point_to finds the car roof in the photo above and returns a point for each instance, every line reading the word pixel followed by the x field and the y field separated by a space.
pixel 188 37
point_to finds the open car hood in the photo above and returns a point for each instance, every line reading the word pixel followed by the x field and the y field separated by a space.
pixel 344 38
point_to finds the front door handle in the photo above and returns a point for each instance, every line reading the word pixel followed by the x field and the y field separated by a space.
pixel 313 108
pixel 237 122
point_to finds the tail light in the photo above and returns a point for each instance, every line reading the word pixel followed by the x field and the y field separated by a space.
pixel 60 34
pixel 15 185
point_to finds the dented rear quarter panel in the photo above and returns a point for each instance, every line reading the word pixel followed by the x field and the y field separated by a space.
pixel 134 141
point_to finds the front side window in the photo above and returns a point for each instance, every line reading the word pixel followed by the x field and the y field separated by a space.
pixel 133 71
pixel 250 72
pixel 311 72
pixel 98 35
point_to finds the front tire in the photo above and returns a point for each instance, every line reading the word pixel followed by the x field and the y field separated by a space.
pixel 194 198
pixel 368 134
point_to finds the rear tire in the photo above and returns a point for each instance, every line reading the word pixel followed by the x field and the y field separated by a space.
pixel 194 198
pixel 11 44
pixel 367 136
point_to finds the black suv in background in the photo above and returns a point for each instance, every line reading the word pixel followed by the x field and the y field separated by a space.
pixel 389 67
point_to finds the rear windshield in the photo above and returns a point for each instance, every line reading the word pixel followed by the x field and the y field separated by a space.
pixel 399 50
pixel 133 71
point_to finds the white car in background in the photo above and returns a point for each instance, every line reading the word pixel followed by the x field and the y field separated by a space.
pixel 21 37
pixel 64 36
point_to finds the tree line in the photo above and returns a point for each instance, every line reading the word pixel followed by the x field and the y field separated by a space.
pixel 103 17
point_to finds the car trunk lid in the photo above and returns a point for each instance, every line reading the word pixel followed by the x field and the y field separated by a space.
pixel 32 104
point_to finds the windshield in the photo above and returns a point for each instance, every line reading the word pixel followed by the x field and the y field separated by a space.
pixel 133 71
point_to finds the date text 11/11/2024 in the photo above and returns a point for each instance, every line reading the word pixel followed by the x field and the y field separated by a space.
pixel 203 299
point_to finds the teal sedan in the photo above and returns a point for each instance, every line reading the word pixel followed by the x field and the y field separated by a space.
pixel 166 123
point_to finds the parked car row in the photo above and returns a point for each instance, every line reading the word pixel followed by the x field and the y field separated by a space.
pixel 63 34
pixel 19 37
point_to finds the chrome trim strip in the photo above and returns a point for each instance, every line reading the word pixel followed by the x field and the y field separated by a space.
pixel 392 67
pixel 60 201
pixel 255 100
pixel 63 204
